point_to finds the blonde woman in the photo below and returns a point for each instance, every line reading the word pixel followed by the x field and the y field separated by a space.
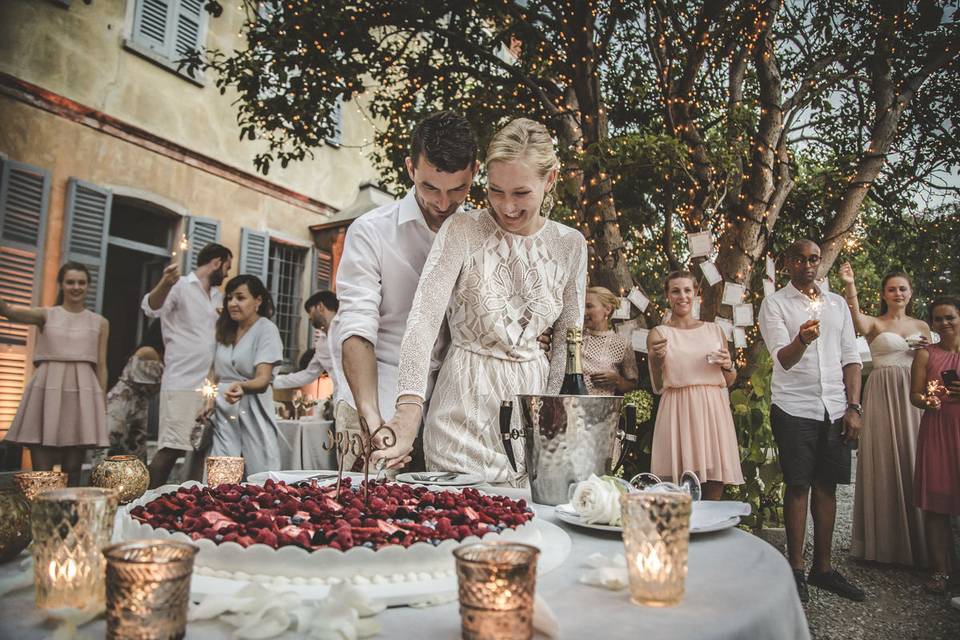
pixel 502 275
pixel 609 364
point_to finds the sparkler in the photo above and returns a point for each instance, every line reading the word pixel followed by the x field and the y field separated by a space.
pixel 183 245
pixel 816 307
pixel 935 388
pixel 208 389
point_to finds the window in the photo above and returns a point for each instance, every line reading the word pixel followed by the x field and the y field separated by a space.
pixel 283 280
pixel 166 30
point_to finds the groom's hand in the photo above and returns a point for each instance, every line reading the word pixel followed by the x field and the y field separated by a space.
pixel 546 339
pixel 395 449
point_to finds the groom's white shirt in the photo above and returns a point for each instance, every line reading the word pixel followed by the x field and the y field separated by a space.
pixel 383 255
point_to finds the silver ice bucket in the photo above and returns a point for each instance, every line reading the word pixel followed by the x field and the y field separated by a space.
pixel 566 438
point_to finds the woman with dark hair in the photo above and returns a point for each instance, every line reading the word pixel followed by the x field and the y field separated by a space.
pixel 935 388
pixel 128 400
pixel 691 367
pixel 62 410
pixel 887 527
pixel 248 349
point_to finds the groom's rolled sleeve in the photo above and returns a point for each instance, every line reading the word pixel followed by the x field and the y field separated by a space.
pixel 359 285
pixel 849 352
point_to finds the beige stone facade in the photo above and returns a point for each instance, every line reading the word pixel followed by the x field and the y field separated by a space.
pixel 85 108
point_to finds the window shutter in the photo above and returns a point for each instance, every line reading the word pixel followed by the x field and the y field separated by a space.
pixel 254 247
pixel 200 233
pixel 87 224
pixel 151 24
pixel 188 27
pixel 24 198
pixel 322 270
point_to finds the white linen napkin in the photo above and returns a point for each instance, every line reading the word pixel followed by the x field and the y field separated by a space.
pixel 606 572
pixel 258 612
pixel 544 619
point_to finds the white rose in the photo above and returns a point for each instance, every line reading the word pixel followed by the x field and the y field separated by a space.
pixel 597 501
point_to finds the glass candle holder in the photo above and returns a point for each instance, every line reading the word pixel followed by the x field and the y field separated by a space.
pixel 224 470
pixel 496 586
pixel 14 523
pixel 70 527
pixel 126 474
pixel 32 483
pixel 656 535
pixel 148 589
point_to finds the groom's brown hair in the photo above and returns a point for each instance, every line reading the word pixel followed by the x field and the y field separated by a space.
pixel 447 141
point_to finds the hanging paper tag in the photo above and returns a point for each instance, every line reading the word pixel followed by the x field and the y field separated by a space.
pixel 733 293
pixel 638 299
pixel 743 315
pixel 725 325
pixel 623 311
pixel 739 338
pixel 626 327
pixel 710 272
pixel 700 244
pixel 639 340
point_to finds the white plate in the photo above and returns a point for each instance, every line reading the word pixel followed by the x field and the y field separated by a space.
pixel 439 479
pixel 554 546
pixel 707 516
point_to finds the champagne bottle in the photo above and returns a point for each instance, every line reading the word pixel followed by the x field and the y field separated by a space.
pixel 573 382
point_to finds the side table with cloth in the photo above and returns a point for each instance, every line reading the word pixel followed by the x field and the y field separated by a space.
pixel 301 444
pixel 738 587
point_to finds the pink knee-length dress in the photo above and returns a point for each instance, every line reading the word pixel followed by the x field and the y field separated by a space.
pixel 694 430
pixel 63 404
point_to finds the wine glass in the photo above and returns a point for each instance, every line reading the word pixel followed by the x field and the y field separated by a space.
pixel 644 481
pixel 691 484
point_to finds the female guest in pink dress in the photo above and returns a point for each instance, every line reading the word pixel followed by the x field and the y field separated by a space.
pixel 691 367
pixel 609 364
pixel 62 411
pixel 887 527
pixel 936 484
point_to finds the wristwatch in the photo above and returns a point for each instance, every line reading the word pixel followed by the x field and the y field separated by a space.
pixel 856 407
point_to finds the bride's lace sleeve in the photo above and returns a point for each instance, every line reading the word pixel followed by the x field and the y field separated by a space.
pixel 437 280
pixel 574 298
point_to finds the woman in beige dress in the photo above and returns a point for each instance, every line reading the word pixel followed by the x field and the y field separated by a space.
pixel 887 527
pixel 609 364
pixel 62 412
pixel 691 368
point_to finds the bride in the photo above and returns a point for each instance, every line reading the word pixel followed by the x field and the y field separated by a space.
pixel 502 275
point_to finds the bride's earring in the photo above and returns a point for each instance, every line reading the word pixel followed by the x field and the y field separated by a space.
pixel 547 205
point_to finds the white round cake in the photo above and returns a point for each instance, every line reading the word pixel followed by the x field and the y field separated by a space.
pixel 307 534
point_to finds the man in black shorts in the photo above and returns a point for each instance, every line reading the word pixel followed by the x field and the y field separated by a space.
pixel 816 413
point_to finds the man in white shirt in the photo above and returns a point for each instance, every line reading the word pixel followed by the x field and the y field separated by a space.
pixel 188 308
pixel 322 308
pixel 383 255
pixel 815 413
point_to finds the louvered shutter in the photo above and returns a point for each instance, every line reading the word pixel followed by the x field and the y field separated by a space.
pixel 254 256
pixel 24 196
pixel 322 270
pixel 87 225
pixel 200 233
pixel 152 25
pixel 188 27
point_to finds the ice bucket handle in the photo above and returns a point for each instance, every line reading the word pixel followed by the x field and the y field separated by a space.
pixel 627 435
pixel 508 434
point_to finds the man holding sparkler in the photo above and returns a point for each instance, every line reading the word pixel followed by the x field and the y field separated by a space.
pixel 816 413
pixel 188 308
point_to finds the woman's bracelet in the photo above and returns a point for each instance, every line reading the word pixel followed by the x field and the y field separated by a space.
pixel 418 403
pixel 730 370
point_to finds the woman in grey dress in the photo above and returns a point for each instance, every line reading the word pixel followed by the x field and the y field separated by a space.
pixel 248 349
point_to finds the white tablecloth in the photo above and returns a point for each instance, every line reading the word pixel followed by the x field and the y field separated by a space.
pixel 738 586
pixel 301 445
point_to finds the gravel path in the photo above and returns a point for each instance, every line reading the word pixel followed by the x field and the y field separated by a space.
pixel 896 608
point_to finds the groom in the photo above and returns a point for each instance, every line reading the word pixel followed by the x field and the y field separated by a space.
pixel 383 255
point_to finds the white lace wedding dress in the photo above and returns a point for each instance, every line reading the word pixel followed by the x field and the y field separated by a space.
pixel 500 292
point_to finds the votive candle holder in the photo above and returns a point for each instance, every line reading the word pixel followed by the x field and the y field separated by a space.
pixel 496 587
pixel 14 523
pixel 656 536
pixel 148 589
pixel 224 470
pixel 70 527
pixel 32 483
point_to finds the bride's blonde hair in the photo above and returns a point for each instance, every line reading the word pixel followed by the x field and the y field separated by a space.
pixel 530 141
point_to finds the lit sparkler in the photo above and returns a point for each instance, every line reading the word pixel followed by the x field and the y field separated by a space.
pixel 183 245
pixel 208 389
pixel 935 388
pixel 816 307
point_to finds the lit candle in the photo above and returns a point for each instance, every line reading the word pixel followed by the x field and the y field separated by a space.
pixel 496 586
pixel 656 533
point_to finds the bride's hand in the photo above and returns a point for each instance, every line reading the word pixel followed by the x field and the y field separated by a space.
pixel 404 424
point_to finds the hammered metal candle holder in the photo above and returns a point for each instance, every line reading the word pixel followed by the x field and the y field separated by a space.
pixel 656 534
pixel 148 589
pixel 224 470
pixel 496 586
pixel 70 527
pixel 32 483
pixel 127 474
pixel 14 523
